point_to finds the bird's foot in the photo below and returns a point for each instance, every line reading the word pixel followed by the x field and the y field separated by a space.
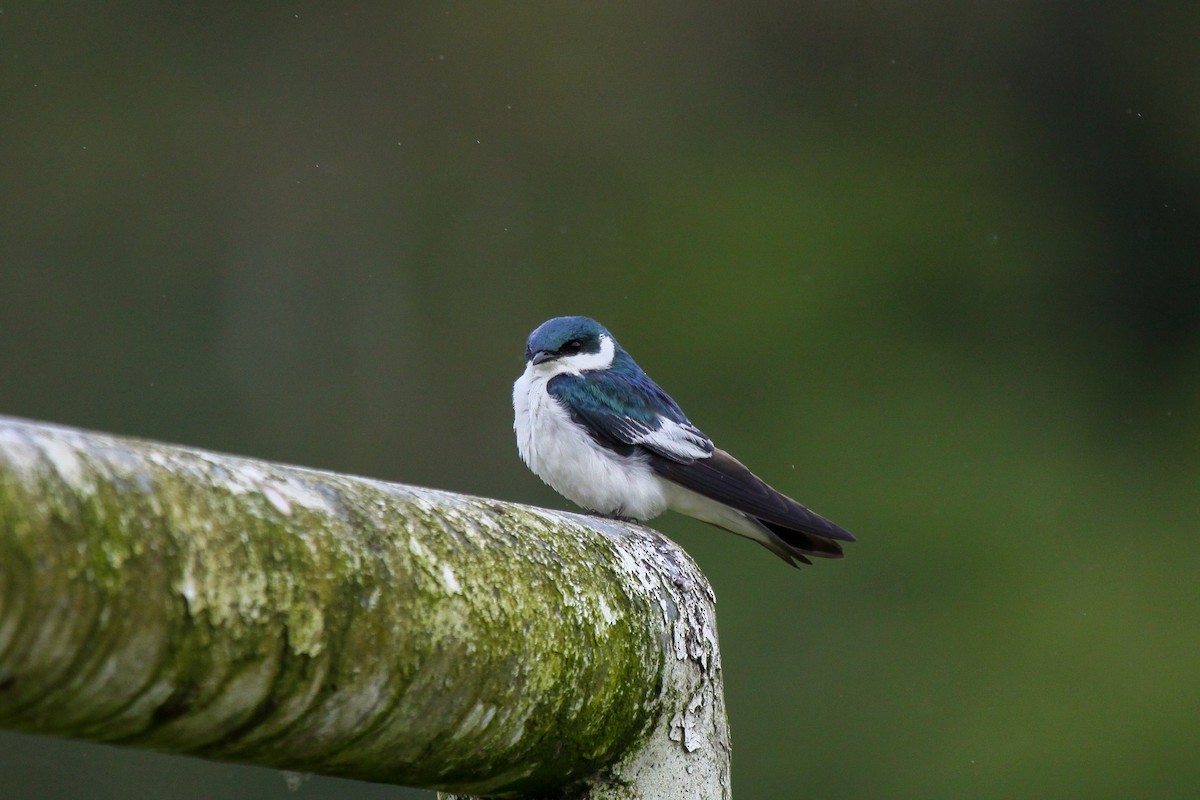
pixel 618 517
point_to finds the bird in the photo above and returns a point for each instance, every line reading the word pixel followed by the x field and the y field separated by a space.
pixel 598 430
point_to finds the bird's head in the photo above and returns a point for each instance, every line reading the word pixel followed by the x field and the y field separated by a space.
pixel 570 344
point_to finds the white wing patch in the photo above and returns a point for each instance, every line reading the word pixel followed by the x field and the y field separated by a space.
pixel 675 440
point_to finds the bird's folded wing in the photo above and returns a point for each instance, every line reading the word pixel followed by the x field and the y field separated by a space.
pixel 726 480
pixel 626 413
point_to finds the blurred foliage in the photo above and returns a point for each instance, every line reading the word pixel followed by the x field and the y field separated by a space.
pixel 931 268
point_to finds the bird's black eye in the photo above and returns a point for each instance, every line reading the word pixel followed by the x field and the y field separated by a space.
pixel 572 346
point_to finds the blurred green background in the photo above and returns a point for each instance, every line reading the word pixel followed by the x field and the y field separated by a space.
pixel 932 268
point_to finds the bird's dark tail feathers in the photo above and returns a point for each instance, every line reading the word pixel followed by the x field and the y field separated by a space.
pixel 792 545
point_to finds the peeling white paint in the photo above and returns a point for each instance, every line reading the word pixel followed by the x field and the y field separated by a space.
pixel 276 498
pixel 300 494
pixel 476 719
pixel 451 582
pixel 688 754
pixel 417 549
pixel 518 733
pixel 187 588
pixel 20 453
pixel 65 460
pixel 605 611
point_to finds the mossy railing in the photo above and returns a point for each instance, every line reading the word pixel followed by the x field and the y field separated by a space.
pixel 190 602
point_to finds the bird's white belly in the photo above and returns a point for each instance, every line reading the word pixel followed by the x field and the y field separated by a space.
pixel 573 464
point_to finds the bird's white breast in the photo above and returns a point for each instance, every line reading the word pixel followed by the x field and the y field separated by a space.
pixel 564 456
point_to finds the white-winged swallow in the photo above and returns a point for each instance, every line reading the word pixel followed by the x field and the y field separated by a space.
pixel 600 432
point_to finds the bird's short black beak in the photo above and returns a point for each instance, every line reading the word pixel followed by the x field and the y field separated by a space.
pixel 542 356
